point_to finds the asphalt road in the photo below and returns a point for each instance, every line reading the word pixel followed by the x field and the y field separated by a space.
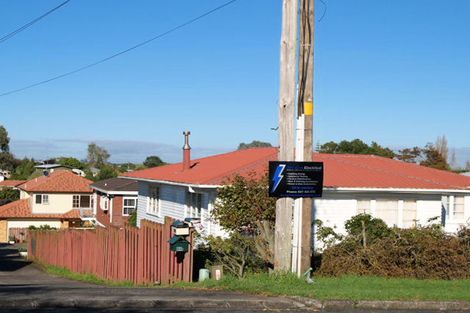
pixel 24 288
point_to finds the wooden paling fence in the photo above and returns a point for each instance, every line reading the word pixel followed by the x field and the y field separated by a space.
pixel 141 255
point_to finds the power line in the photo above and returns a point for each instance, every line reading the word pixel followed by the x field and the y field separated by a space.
pixel 19 30
pixel 171 30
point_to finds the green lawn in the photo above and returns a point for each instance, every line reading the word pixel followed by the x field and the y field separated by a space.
pixel 344 288
pixel 331 288
pixel 87 278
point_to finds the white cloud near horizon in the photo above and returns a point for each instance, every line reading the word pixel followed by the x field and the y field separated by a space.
pixel 121 150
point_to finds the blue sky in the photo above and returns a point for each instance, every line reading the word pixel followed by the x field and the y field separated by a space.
pixel 396 72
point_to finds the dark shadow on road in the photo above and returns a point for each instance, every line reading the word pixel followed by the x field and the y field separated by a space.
pixel 10 260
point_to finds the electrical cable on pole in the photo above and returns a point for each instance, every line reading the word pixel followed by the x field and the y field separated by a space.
pixel 163 34
pixel 27 25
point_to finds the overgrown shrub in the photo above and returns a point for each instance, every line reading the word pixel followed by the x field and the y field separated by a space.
pixel 41 227
pixel 423 252
pixel 237 254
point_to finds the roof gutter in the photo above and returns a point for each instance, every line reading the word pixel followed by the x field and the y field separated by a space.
pixel 172 183
pixel 115 193
pixel 339 189
pixel 397 190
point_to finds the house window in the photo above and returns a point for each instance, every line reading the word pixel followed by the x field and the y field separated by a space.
pixel 459 204
pixel 387 210
pixel 409 213
pixel 363 206
pixel 42 199
pixel 81 201
pixel 194 204
pixel 154 201
pixel 129 206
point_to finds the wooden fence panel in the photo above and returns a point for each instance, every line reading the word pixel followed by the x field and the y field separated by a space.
pixel 141 255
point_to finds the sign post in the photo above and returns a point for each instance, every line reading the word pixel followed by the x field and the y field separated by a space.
pixel 295 179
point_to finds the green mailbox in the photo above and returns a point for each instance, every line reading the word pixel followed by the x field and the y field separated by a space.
pixel 179 244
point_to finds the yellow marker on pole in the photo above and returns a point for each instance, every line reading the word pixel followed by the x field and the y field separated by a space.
pixel 308 108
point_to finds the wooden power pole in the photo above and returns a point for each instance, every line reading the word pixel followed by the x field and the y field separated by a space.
pixel 305 107
pixel 283 228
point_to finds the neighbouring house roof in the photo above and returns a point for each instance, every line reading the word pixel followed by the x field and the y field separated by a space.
pixel 341 171
pixel 49 166
pixel 58 181
pixel 117 185
pixel 22 209
pixel 11 183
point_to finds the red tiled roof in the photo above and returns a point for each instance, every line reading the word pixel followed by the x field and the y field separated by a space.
pixel 11 183
pixel 58 181
pixel 341 170
pixel 22 209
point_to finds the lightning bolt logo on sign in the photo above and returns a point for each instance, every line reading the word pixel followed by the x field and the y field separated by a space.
pixel 290 179
pixel 278 176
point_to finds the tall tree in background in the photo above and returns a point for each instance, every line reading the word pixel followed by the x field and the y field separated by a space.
pixel 97 156
pixel 254 144
pixel 409 155
pixel 24 169
pixel 4 140
pixel 153 161
pixel 453 160
pixel 441 146
pixel 355 146
pixel 71 162
pixel 433 158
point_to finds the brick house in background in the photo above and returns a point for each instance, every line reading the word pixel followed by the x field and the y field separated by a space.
pixel 60 199
pixel 115 200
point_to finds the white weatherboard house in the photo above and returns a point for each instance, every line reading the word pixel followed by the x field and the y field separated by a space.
pixel 402 194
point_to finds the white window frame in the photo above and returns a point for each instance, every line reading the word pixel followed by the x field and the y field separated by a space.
pixel 194 204
pixel 124 207
pixel 74 197
pixel 154 201
pixel 44 199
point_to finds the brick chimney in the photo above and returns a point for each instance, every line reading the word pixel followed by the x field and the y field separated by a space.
pixel 186 151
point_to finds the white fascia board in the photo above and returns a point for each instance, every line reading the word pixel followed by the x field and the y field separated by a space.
pixel 116 193
pixel 397 190
pixel 172 183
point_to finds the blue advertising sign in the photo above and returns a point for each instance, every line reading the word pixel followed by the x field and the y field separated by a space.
pixel 295 179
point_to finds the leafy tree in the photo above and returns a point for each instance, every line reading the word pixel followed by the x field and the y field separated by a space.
pixel 4 140
pixel 409 155
pixel 133 219
pixel 356 146
pixel 106 171
pixel 24 170
pixel 71 162
pixel 9 194
pixel 244 206
pixel 366 228
pixel 8 161
pixel 97 156
pixel 433 158
pixel 253 144
pixel 236 253
pixel 153 161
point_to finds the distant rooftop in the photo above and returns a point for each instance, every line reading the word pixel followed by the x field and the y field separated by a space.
pixel 116 184
pixel 49 166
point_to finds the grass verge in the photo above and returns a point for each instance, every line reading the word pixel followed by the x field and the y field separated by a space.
pixel 343 288
pixel 87 278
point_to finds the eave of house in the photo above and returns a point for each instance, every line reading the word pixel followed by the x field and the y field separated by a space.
pixel 335 189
